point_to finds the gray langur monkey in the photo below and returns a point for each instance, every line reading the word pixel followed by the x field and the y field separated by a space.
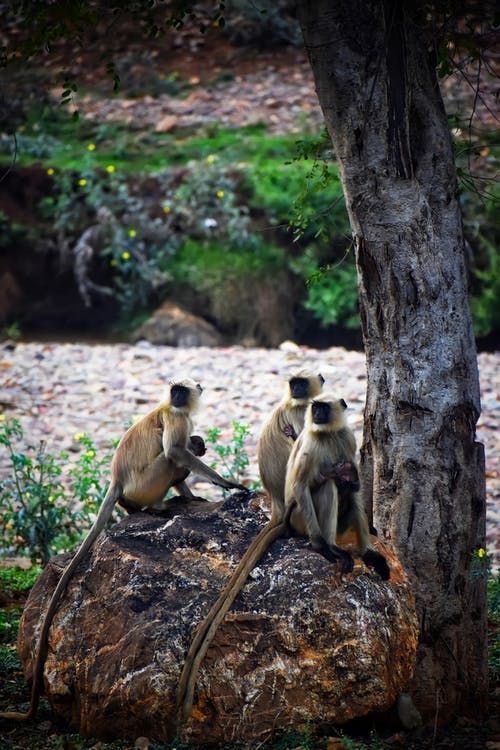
pixel 326 448
pixel 279 433
pixel 153 456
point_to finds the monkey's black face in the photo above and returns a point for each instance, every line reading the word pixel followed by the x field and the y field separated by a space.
pixel 320 412
pixel 179 396
pixel 299 387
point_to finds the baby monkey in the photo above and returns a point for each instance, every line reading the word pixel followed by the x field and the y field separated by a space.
pixel 155 454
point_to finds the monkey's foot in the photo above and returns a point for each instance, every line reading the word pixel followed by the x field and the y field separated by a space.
pixel 378 562
pixel 337 555
pixel 188 498
pixel 240 487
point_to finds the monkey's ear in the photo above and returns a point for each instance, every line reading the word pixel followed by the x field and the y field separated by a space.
pixel 343 403
pixel 321 378
pixel 199 388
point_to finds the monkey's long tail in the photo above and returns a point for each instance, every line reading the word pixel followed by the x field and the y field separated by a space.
pixel 207 629
pixel 105 511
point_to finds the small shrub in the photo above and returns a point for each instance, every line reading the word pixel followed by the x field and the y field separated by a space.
pixel 233 457
pixel 41 513
pixel 9 623
pixel 332 290
pixel 14 579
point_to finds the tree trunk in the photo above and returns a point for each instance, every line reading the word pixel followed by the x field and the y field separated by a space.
pixel 421 466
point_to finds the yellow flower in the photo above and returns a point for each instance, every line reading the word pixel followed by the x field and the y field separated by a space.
pixel 79 435
pixel 50 171
pixel 125 255
pixel 90 454
pixel 211 158
pixel 50 499
pixel 91 147
pixel 220 194
pixel 167 209
pixel 481 552
pixel 110 168
pixel 113 262
pixel 82 182
pixel 132 233
pixel 2 417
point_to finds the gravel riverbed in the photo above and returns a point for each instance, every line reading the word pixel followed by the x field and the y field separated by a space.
pixel 60 389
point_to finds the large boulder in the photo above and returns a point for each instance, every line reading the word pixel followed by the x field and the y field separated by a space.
pixel 302 643
pixel 171 326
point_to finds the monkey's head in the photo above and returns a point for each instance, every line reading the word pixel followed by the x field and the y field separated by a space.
pixel 185 394
pixel 326 413
pixel 304 385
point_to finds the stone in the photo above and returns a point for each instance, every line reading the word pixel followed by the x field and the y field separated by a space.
pixel 301 644
pixel 172 326
pixel 166 124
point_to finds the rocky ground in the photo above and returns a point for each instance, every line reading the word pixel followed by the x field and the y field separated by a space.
pixel 60 389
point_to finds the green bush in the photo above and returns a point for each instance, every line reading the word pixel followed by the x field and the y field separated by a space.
pixel 485 304
pixel 44 512
pixel 301 190
pixel 233 457
pixel 332 290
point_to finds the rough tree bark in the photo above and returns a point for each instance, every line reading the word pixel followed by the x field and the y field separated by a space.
pixel 421 464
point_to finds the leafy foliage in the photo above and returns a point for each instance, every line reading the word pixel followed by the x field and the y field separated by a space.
pixel 233 457
pixel 41 513
pixel 332 290
pixel 14 579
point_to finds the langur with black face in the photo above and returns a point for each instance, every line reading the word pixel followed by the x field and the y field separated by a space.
pixel 279 433
pixel 323 452
pixel 155 454
pixel 275 443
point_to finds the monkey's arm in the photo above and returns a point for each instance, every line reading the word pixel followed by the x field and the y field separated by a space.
pixel 182 457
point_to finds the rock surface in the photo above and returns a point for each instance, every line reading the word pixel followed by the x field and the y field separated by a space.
pixel 301 643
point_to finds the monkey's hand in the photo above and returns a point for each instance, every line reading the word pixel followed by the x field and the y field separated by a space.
pixel 288 431
pixel 335 554
pixel 378 562
pixel 240 487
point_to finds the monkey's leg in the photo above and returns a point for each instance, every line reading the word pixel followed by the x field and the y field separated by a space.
pixel 370 557
pixel 326 501
pixel 152 484
pixel 129 507
pixel 316 519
